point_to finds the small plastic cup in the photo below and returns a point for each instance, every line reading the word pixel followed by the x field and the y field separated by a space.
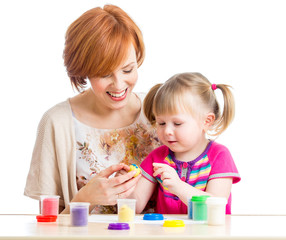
pixel 190 208
pixel 126 210
pixel 199 208
pixel 216 210
pixel 79 212
pixel 49 205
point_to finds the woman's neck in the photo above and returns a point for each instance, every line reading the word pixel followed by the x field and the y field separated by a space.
pixel 87 110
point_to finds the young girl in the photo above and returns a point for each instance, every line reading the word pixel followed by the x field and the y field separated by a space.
pixel 185 110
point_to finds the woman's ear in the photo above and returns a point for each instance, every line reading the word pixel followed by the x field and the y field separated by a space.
pixel 209 120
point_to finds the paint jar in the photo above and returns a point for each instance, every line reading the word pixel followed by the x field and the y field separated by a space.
pixel 199 208
pixel 216 210
pixel 49 205
pixel 190 208
pixel 79 212
pixel 126 210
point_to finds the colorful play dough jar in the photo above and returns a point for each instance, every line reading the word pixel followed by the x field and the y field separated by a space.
pixel 199 208
pixel 79 212
pixel 190 208
pixel 134 167
pixel 118 226
pixel 153 217
pixel 126 210
pixel 173 223
pixel 49 205
pixel 216 210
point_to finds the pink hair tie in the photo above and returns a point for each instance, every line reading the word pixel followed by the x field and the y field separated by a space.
pixel 214 87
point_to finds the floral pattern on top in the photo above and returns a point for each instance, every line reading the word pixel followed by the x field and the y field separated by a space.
pixel 98 149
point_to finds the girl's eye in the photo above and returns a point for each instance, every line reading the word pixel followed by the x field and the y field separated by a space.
pixel 177 124
pixel 161 124
pixel 128 71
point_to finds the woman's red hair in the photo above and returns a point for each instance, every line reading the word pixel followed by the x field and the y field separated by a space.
pixel 97 43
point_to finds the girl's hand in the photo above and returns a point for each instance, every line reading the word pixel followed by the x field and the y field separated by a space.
pixel 103 190
pixel 168 175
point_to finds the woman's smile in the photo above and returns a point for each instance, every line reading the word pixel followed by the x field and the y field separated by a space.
pixel 118 96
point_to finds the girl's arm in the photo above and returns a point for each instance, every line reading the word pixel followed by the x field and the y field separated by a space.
pixel 219 187
pixel 142 193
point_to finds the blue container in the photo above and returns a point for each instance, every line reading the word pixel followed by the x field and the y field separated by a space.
pixel 190 209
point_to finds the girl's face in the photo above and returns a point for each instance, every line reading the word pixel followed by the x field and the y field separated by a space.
pixel 182 133
pixel 114 90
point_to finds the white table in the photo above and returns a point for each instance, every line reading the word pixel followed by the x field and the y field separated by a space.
pixel 236 227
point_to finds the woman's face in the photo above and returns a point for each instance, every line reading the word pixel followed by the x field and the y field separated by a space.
pixel 114 90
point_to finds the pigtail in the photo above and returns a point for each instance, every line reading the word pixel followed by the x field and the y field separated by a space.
pixel 227 116
pixel 148 103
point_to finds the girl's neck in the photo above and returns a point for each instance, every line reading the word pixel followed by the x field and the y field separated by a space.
pixel 193 153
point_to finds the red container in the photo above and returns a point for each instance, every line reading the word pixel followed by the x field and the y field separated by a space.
pixel 49 205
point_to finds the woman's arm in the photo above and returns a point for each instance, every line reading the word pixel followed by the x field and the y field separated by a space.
pixel 102 190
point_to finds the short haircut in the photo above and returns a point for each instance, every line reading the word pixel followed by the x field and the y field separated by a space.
pixel 98 42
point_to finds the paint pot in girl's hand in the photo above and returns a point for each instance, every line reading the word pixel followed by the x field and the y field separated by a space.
pixel 79 212
pixel 216 210
pixel 49 205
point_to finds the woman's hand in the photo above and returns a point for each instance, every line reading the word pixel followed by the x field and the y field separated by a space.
pixel 103 190
pixel 168 175
pixel 123 171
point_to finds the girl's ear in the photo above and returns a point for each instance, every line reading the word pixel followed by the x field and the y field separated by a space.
pixel 209 120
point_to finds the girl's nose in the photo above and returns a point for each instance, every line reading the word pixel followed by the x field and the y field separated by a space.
pixel 168 131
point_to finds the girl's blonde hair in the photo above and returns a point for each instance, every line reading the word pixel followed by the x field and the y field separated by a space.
pixel 193 93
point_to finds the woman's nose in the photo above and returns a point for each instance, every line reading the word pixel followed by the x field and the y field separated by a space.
pixel 117 81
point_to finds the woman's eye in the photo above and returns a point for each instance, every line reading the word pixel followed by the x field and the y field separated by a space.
pixel 161 124
pixel 128 71
pixel 107 76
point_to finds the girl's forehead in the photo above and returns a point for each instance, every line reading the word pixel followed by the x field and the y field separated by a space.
pixel 174 116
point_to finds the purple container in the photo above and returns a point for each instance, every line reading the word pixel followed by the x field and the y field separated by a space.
pixel 118 226
pixel 79 212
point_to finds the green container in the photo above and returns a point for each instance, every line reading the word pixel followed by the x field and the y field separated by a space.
pixel 200 212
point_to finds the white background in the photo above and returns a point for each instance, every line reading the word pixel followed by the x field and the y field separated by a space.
pixel 241 43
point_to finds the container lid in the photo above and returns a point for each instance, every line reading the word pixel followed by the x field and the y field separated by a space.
pixel 118 226
pixel 49 196
pixel 200 198
pixel 126 200
pixel 174 223
pixel 46 218
pixel 216 200
pixel 79 204
pixel 153 216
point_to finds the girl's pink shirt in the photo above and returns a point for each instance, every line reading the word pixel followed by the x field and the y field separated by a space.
pixel 216 159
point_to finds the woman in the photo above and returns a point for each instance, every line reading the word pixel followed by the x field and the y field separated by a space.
pixel 83 141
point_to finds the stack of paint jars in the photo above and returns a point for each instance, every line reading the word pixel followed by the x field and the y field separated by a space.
pixel 207 209
pixel 199 208
pixel 216 210
pixel 49 208
pixel 79 212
